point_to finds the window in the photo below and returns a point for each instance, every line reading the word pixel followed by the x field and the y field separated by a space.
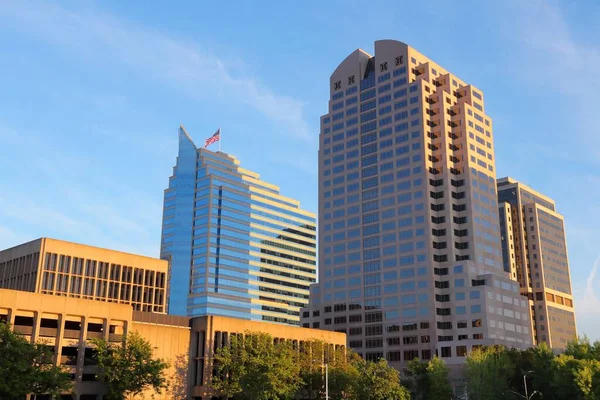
pixel 373 330
pixel 376 356
pixel 410 355
pixel 410 340
pixel 373 343
pixel 355 318
pixel 393 356
pixel 339 307
pixel 446 352
pixel 373 317
pixel 461 351
pixel 355 331
pixel 445 325
pixel 442 284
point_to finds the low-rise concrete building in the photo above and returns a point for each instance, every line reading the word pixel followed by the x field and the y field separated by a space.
pixel 68 324
pixel 63 268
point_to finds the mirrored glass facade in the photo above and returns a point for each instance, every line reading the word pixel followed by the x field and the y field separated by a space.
pixel 237 247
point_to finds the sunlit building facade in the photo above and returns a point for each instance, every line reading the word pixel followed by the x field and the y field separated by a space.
pixel 61 268
pixel 68 326
pixel 410 261
pixel 236 247
pixel 534 247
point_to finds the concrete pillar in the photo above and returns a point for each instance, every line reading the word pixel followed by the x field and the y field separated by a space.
pixel 35 330
pixel 59 338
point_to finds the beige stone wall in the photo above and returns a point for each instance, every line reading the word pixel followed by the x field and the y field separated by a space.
pixel 170 343
pixel 67 324
pixel 211 331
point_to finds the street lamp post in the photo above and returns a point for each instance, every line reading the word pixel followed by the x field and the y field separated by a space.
pixel 527 396
pixel 326 382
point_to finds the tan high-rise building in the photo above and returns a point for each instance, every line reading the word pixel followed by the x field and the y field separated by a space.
pixel 410 261
pixel 61 268
pixel 534 247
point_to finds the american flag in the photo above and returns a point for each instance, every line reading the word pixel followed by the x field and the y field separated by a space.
pixel 214 138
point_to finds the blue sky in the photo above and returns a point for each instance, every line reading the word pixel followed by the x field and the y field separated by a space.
pixel 92 94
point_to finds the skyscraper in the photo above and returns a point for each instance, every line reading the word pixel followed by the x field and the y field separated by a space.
pixel 534 248
pixel 410 261
pixel 236 246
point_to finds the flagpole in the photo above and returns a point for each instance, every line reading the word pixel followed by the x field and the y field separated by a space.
pixel 220 139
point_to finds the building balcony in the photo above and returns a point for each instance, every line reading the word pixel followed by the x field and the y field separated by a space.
pixel 114 337
pixel 24 330
pixel 71 334
pixel 93 335
pixel 48 332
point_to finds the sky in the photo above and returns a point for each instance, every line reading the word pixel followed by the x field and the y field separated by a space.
pixel 92 94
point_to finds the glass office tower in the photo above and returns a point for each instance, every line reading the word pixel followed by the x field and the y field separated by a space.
pixel 236 246
pixel 410 262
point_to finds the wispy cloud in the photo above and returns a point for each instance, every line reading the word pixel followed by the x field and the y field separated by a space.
pixel 180 63
pixel 589 304
pixel 89 221
pixel 28 211
pixel 63 204
pixel 9 237
pixel 554 59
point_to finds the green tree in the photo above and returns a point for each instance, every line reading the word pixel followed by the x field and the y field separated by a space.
pixel 344 375
pixel 27 368
pixel 311 369
pixel 341 367
pixel 439 380
pixel 576 378
pixel 256 368
pixel 429 380
pixel 487 372
pixel 378 381
pixel 128 368
pixel 582 349
pixel 543 371
pixel 418 381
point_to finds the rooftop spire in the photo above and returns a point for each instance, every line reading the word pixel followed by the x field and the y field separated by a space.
pixel 183 134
